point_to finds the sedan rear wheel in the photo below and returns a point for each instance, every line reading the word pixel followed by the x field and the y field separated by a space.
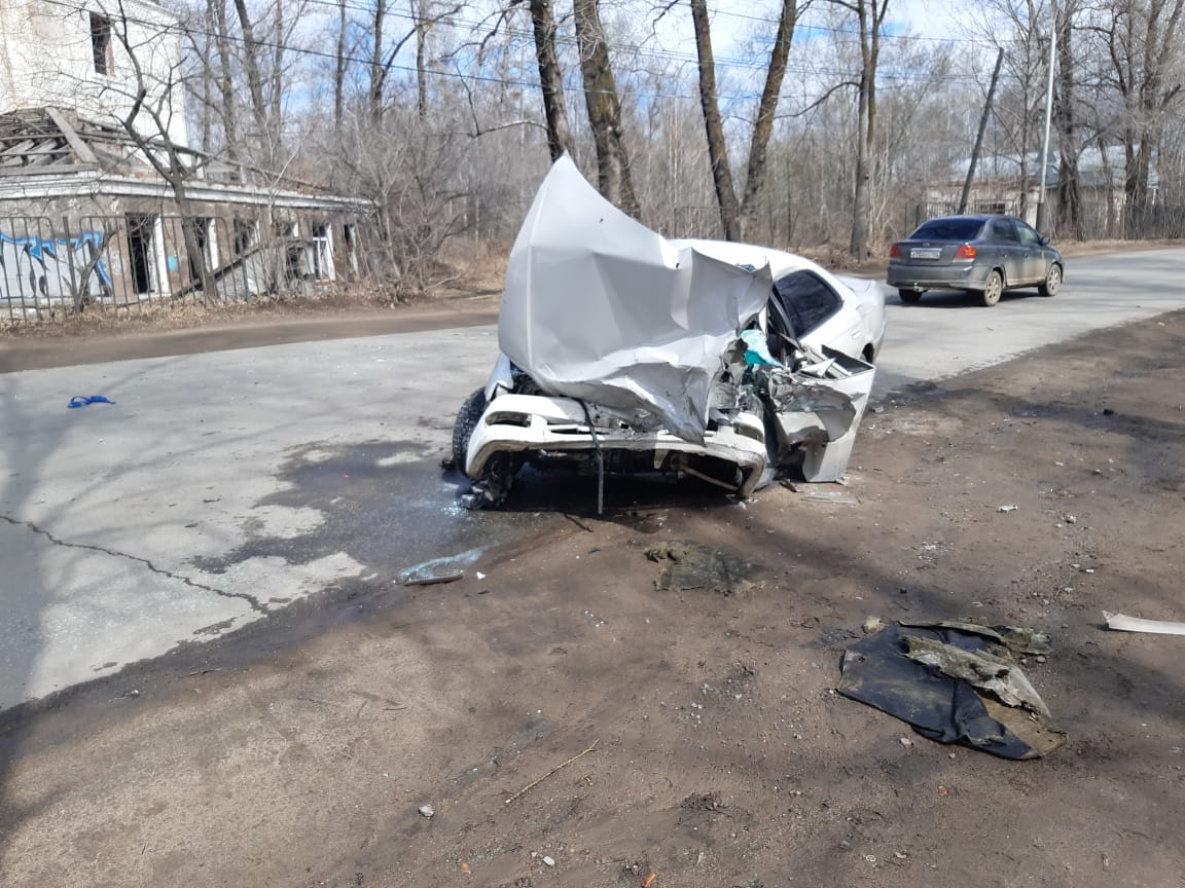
pixel 1053 281
pixel 993 287
pixel 910 296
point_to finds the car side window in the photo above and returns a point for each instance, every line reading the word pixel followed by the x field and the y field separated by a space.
pixel 1005 231
pixel 1028 236
pixel 807 301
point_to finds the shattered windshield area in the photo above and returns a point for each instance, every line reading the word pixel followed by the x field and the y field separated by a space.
pixel 949 229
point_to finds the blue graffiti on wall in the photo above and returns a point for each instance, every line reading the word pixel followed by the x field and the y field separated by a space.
pixel 33 268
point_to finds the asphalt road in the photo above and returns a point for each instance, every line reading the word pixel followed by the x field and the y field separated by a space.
pixel 225 487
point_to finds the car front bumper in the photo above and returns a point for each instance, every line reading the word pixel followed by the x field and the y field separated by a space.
pixel 558 427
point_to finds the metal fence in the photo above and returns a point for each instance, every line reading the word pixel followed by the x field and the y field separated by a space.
pixel 140 260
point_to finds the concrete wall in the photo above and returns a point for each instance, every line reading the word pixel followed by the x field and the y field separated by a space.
pixel 47 57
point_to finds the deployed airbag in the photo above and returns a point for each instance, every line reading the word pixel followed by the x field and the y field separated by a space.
pixel 599 307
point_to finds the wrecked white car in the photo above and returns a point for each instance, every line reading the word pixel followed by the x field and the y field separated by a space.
pixel 625 352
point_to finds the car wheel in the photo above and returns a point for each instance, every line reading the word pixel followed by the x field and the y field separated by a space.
pixel 910 296
pixel 491 490
pixel 467 418
pixel 1053 281
pixel 993 288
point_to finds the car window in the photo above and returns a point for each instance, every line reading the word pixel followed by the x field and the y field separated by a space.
pixel 949 229
pixel 1005 231
pixel 1028 236
pixel 807 301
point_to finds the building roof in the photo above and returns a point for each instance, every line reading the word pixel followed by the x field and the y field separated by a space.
pixel 47 151
pixel 1096 169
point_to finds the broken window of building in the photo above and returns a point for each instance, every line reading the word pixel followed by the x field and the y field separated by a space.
pixel 141 243
pixel 246 234
pixel 322 253
pixel 101 44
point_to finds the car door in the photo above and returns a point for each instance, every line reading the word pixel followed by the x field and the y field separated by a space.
pixel 1007 246
pixel 1032 252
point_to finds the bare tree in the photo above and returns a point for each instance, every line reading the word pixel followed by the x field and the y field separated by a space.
pixel 614 176
pixel 151 92
pixel 1143 43
pixel 870 17
pixel 735 213
pixel 551 79
pixel 1069 202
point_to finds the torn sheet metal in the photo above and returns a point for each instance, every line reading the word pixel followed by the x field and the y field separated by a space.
pixel 599 307
pixel 818 408
pixel 952 686
pixel 1018 639
pixel 1125 623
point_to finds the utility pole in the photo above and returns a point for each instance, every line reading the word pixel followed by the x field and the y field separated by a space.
pixel 987 111
pixel 1041 211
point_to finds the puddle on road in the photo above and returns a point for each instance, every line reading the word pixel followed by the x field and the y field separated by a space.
pixel 386 504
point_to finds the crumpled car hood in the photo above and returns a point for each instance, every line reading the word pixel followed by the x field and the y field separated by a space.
pixel 599 307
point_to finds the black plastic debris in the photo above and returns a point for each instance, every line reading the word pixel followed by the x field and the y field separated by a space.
pixel 955 685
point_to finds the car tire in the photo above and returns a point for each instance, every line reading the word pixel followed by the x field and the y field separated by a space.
pixel 993 288
pixel 1053 281
pixel 909 296
pixel 467 419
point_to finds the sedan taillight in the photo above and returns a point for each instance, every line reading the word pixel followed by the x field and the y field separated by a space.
pixel 966 253
pixel 894 252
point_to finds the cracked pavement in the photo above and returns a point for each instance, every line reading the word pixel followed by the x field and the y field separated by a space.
pixel 131 529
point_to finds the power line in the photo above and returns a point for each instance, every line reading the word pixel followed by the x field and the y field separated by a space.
pixel 808 71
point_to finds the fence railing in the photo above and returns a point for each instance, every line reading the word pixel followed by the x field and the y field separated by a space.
pixel 136 261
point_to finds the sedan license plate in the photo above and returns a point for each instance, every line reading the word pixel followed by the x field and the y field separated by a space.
pixel 924 254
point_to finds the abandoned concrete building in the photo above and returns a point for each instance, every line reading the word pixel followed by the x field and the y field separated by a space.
pixel 87 219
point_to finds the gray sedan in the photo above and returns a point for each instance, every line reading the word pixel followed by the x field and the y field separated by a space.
pixel 984 254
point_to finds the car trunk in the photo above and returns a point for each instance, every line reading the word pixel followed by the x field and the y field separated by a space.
pixel 926 253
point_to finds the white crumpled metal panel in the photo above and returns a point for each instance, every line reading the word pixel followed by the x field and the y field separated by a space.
pixel 599 307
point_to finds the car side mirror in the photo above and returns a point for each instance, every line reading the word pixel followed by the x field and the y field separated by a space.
pixel 1044 240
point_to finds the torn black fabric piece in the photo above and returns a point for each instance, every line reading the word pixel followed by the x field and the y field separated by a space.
pixel 878 671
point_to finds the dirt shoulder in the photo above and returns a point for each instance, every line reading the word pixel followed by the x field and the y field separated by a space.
pixel 722 755
pixel 231 327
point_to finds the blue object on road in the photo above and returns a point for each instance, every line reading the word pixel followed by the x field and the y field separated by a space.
pixel 83 400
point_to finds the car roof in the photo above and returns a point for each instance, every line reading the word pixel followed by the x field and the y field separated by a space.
pixel 977 217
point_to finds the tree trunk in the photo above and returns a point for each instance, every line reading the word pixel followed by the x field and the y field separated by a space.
pixel 421 26
pixel 1069 203
pixel 604 108
pixel 377 71
pixel 763 126
pixel 551 80
pixel 226 86
pixel 869 18
pixel 726 198
pixel 339 69
pixel 251 64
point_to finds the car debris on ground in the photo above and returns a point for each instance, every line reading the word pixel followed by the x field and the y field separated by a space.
pixel 1123 623
pixel 623 351
pixel 695 566
pixel 448 569
pixel 955 682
